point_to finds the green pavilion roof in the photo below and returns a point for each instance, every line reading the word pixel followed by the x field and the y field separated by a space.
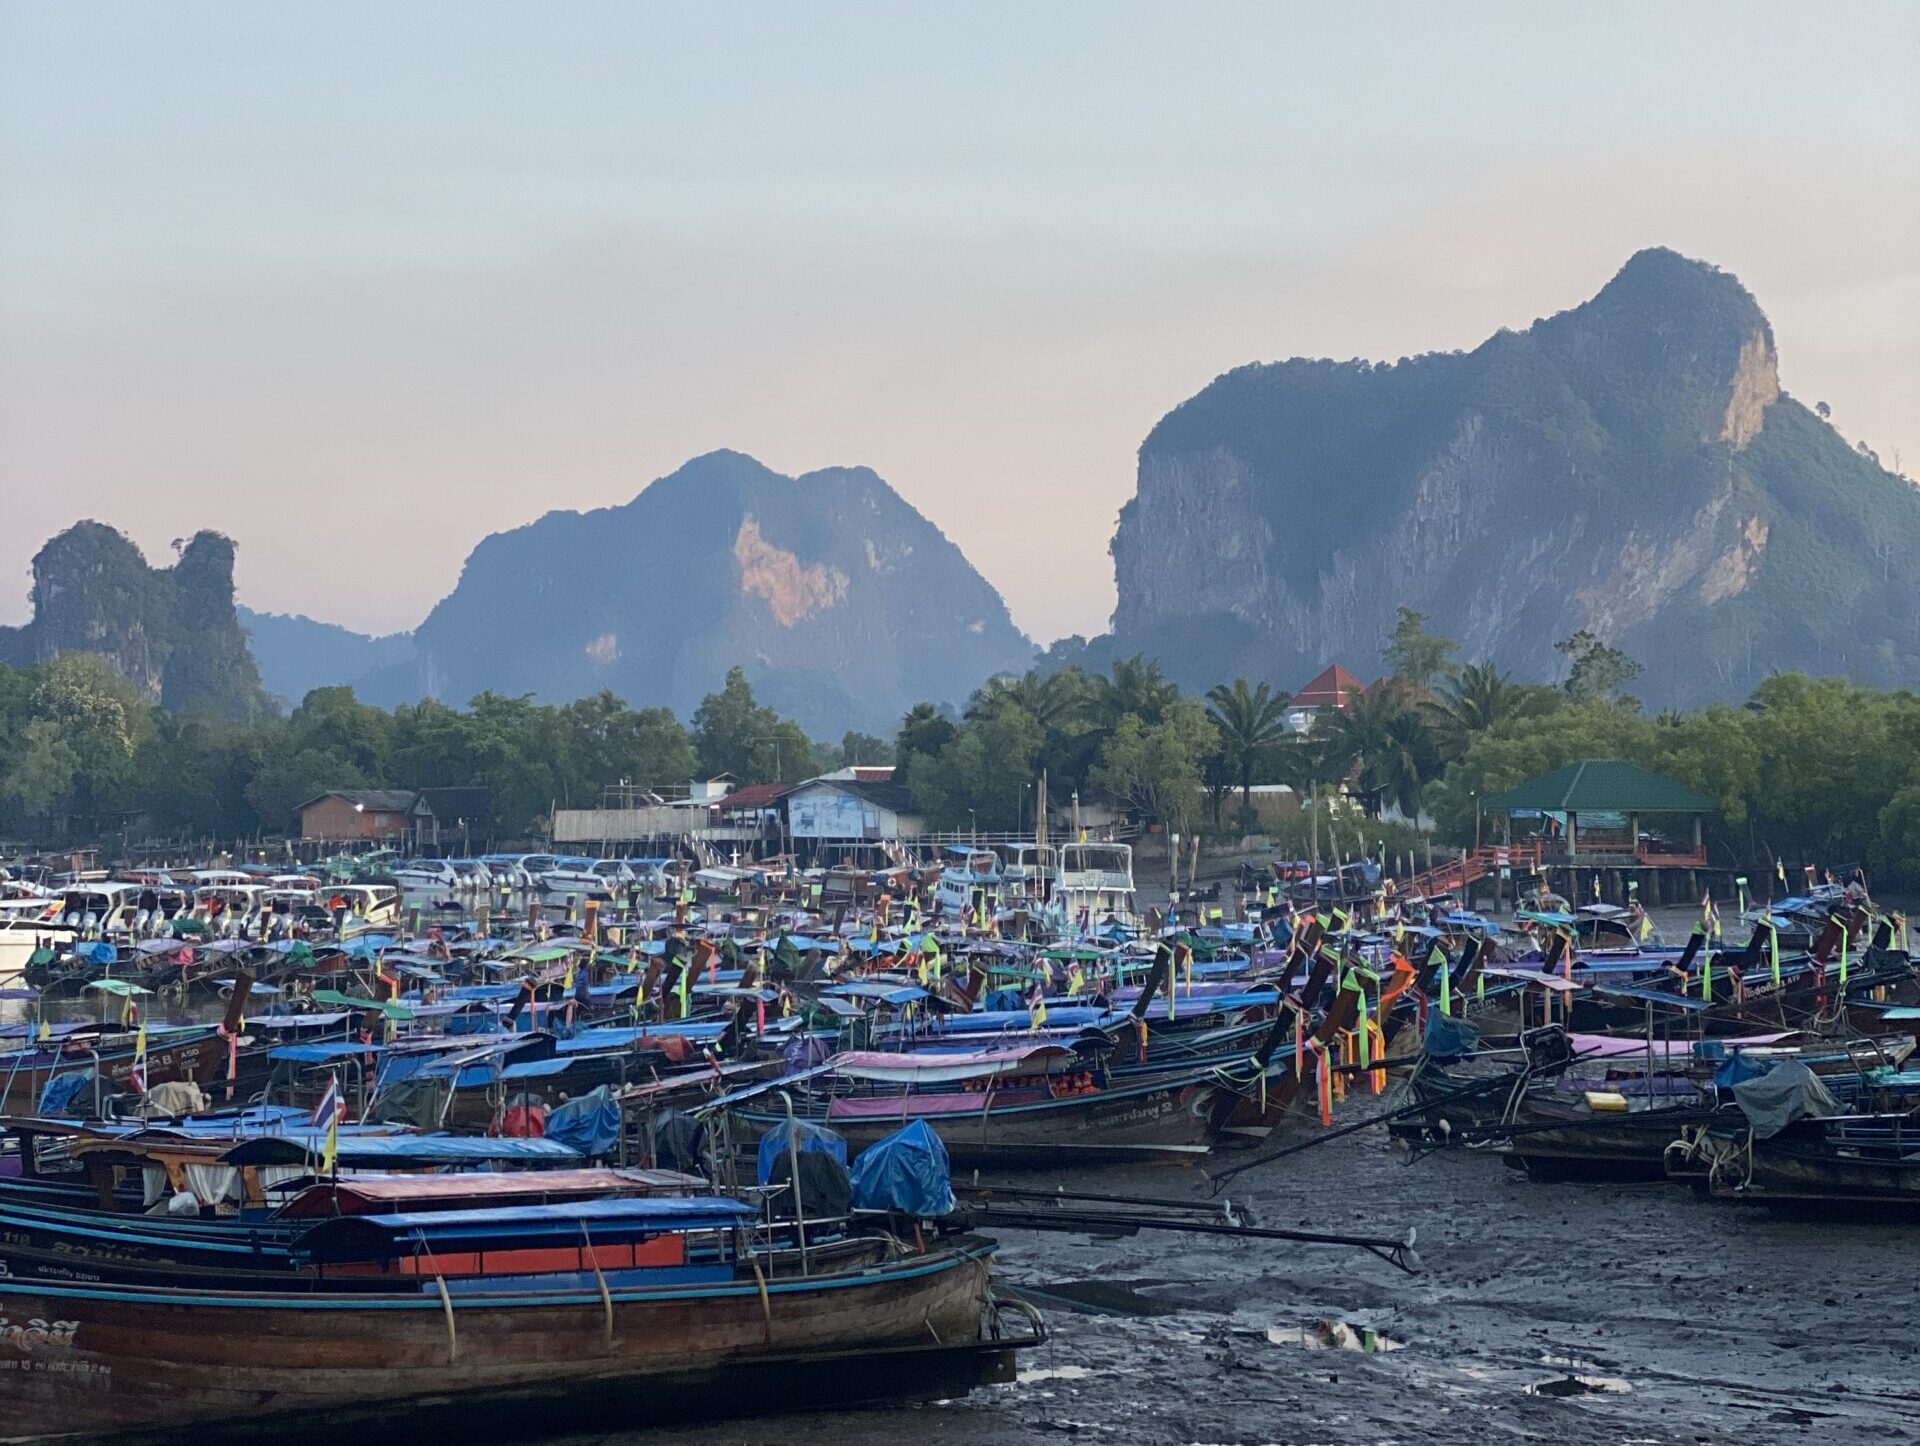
pixel 1601 785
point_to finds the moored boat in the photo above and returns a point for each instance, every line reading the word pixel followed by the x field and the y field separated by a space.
pixel 645 1313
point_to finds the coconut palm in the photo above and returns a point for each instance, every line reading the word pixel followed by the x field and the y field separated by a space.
pixel 1251 720
pixel 1477 698
pixel 1053 700
pixel 1135 686
pixel 1306 763
pixel 1385 745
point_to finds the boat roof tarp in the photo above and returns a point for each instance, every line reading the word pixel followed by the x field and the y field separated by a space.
pixel 907 1172
pixel 597 1222
pixel 601 1037
pixel 366 1194
pixel 944 1068
pixel 1787 1092
pixel 389 1151
pixel 322 1051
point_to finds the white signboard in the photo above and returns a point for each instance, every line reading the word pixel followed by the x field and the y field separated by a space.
pixel 824 813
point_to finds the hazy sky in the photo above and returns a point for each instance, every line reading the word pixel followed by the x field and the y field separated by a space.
pixel 361 282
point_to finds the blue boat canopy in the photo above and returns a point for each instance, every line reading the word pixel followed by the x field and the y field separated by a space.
pixel 322 1051
pixel 583 1222
pixel 424 1151
pixel 880 992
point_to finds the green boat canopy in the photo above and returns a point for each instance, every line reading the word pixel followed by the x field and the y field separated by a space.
pixel 119 987
pixel 351 1001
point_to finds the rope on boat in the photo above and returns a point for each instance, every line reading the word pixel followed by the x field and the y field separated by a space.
pixel 446 1300
pixel 766 1302
pixel 606 1296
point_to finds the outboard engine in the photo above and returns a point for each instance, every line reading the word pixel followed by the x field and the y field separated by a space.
pixel 1548 1048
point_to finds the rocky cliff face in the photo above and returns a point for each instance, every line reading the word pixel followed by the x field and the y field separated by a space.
pixel 843 603
pixel 172 632
pixel 1629 466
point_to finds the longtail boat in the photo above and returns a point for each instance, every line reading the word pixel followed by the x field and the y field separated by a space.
pixel 1041 1104
pixel 603 1312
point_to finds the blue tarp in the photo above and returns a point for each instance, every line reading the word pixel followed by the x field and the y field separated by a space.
pixel 607 1037
pixel 884 993
pixel 322 1052
pixel 907 1172
pixel 1786 1093
pixel 395 1151
pixel 1448 1038
pixel 62 1090
pixel 590 1124
pixel 773 1144
pixel 1738 1068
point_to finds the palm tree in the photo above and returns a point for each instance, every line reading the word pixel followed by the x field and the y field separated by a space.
pixel 1304 762
pixel 1054 700
pixel 1385 744
pixel 1477 698
pixel 1406 758
pixel 1136 686
pixel 1251 721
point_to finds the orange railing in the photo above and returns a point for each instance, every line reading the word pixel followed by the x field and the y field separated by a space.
pixel 1464 868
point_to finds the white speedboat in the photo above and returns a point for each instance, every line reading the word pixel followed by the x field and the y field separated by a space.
pixel 27 924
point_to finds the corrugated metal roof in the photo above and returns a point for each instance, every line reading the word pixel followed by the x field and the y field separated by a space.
pixel 381 800
pixel 1601 785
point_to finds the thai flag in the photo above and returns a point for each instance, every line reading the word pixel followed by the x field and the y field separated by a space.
pixel 332 1108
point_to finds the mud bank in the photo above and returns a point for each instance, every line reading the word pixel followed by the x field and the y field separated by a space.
pixel 1564 1313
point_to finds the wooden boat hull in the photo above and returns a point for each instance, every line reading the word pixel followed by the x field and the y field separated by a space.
pixel 1168 1121
pixel 199 1058
pixel 1799 1168
pixel 1554 1142
pixel 101 1360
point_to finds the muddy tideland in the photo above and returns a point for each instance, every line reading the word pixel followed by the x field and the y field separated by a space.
pixel 1558 1313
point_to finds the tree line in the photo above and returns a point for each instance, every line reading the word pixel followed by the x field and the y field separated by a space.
pixel 1807 770
pixel 82 756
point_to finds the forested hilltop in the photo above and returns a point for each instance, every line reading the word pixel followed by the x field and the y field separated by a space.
pixel 1819 771
pixel 1629 467
pixel 171 632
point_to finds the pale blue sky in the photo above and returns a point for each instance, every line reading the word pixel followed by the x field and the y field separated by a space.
pixel 386 277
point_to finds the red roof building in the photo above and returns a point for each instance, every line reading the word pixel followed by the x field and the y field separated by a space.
pixel 1334 688
pixel 754 797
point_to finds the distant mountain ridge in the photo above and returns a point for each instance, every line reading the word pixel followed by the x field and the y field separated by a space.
pixel 1629 466
pixel 844 605
pixel 297 654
